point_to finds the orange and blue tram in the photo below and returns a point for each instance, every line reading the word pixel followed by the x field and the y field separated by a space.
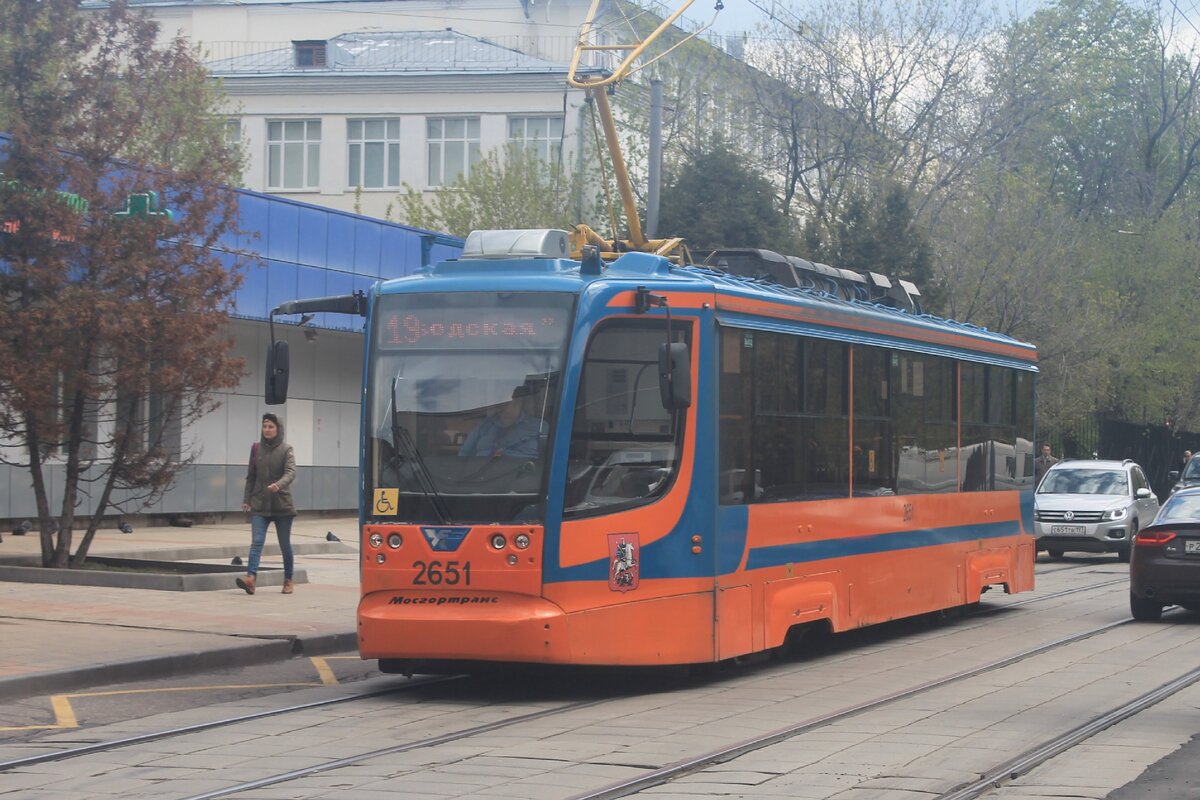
pixel 637 463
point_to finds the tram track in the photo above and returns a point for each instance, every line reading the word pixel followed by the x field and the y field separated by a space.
pixel 404 747
pixel 1077 566
pixel 1034 757
pixel 101 747
pixel 676 770
pixel 1057 594
pixel 721 755
pixel 418 683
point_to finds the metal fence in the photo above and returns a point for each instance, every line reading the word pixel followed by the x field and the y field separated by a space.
pixel 1157 448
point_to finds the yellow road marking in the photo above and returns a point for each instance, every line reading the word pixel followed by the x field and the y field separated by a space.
pixel 64 714
pixel 323 670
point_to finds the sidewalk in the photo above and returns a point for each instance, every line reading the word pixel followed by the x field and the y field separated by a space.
pixel 59 638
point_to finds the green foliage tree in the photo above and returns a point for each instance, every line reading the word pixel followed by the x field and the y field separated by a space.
pixel 509 188
pixel 713 200
pixel 1072 231
pixel 1117 86
pixel 114 309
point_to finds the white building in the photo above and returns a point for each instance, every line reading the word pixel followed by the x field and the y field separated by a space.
pixel 345 103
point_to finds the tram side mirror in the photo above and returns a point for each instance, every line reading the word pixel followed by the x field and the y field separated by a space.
pixel 277 373
pixel 674 375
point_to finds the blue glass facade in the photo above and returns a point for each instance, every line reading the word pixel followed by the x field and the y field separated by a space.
pixel 296 250
pixel 310 251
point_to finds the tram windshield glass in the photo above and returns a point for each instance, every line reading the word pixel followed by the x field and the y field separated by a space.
pixel 464 389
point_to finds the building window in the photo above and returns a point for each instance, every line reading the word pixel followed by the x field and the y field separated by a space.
pixel 294 154
pixel 233 132
pixel 539 135
pixel 309 53
pixel 374 153
pixel 453 147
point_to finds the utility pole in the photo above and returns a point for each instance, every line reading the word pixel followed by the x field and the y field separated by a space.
pixel 655 166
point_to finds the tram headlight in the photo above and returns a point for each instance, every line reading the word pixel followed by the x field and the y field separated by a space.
pixel 521 540
pixel 376 540
pixel 394 541
pixel 498 541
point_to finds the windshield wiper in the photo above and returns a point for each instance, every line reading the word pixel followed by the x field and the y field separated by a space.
pixel 402 443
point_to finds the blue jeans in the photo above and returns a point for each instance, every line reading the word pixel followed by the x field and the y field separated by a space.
pixel 258 537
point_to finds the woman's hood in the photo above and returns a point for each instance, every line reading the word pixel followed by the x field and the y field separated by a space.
pixel 278 437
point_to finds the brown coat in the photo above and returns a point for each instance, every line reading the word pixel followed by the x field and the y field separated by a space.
pixel 276 463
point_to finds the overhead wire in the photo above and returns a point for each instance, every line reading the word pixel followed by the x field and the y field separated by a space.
pixel 1186 17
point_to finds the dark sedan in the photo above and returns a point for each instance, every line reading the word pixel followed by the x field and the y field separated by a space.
pixel 1165 567
pixel 1189 477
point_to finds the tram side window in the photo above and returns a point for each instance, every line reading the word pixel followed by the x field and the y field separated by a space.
pixel 908 410
pixel 872 448
pixel 924 421
pixel 737 482
pixel 975 455
pixel 824 377
pixel 801 428
pixel 1000 413
pixel 940 432
pixel 988 458
pixel 624 444
pixel 1023 392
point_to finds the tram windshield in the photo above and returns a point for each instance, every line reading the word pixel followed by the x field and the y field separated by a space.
pixel 463 395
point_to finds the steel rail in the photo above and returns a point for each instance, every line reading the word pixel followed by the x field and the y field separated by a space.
pixel 1060 593
pixel 99 747
pixel 399 748
pixel 723 754
pixel 1050 748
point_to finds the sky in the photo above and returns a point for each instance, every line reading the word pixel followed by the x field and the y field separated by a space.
pixel 745 15
pixel 736 17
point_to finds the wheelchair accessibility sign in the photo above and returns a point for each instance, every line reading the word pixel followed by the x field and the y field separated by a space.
pixel 387 502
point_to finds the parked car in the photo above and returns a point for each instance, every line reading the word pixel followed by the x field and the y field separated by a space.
pixel 1165 569
pixel 1094 506
pixel 1190 476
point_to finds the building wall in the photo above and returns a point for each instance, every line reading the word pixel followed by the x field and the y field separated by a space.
pixel 493 99
pixel 542 29
pixel 296 251
pixel 321 421
pixel 550 30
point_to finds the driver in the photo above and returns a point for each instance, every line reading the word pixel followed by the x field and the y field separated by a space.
pixel 508 432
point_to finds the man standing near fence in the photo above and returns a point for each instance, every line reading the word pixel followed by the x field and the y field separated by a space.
pixel 1042 463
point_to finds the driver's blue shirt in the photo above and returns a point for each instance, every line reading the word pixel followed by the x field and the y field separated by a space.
pixel 491 438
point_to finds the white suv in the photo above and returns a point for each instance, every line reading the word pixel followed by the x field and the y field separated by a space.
pixel 1093 506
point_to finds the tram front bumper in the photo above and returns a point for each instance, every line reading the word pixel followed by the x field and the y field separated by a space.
pixel 468 625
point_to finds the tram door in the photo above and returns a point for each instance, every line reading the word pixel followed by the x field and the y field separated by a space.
pixel 734 631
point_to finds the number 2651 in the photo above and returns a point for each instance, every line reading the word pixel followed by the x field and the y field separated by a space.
pixel 435 573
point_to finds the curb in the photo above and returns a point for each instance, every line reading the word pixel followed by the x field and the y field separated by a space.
pixel 197 578
pixel 263 651
pixel 195 553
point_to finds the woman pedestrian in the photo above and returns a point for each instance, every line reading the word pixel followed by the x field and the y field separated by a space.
pixel 267 498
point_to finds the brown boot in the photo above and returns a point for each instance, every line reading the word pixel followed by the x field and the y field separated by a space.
pixel 287 586
pixel 246 584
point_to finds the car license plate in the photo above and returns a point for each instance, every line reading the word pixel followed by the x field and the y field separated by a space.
pixel 1068 530
pixel 1191 546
